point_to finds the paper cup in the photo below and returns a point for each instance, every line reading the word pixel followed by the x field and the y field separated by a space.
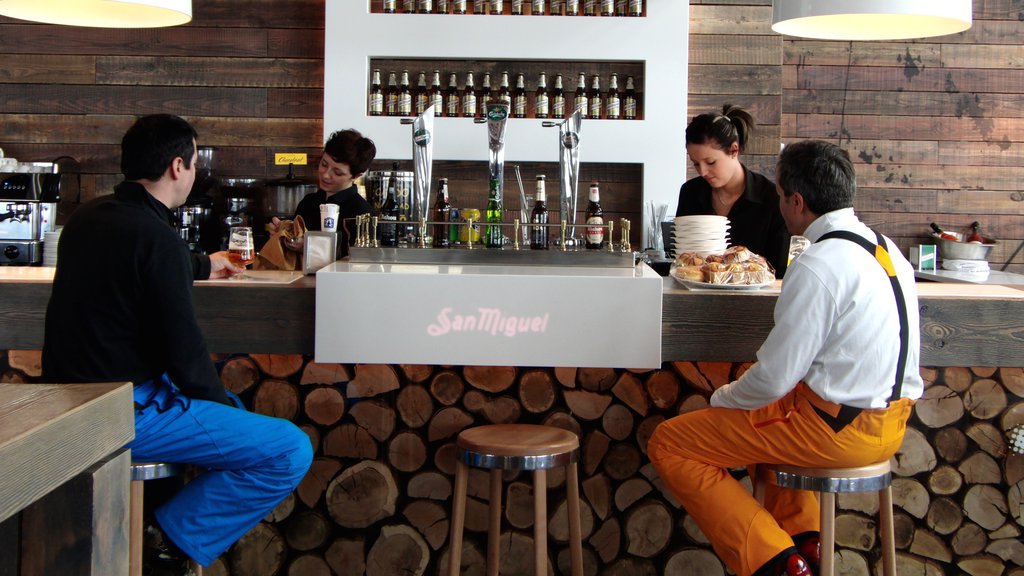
pixel 329 217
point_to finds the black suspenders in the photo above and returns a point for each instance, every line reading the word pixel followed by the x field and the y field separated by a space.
pixel 883 258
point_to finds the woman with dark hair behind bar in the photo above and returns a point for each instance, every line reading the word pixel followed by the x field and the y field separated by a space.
pixel 347 155
pixel 728 188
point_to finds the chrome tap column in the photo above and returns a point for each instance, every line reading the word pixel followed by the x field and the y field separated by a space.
pixel 422 162
pixel 569 169
pixel 497 115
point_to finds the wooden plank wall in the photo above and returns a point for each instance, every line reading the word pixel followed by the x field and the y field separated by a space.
pixel 935 125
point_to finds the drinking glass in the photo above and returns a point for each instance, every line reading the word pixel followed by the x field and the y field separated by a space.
pixel 241 247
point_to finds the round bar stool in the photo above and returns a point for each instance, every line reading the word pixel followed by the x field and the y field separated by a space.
pixel 517 447
pixel 142 471
pixel 828 482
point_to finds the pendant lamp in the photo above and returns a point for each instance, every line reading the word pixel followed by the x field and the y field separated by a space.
pixel 870 19
pixel 101 13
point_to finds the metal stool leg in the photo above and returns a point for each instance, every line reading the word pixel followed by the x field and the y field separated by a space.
pixel 828 532
pixel 494 524
pixel 888 533
pixel 575 531
pixel 458 518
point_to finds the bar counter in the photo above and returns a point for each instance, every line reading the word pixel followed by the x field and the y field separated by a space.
pixel 961 324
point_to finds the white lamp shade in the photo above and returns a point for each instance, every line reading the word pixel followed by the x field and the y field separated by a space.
pixel 101 13
pixel 870 19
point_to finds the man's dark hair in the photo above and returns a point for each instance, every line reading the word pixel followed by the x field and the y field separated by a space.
pixel 733 125
pixel 821 172
pixel 352 148
pixel 152 143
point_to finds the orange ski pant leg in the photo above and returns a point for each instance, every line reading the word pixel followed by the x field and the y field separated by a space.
pixel 694 452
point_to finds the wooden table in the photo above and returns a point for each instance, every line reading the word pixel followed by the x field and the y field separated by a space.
pixel 66 471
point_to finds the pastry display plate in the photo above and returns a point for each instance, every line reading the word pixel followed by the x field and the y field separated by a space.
pixel 692 285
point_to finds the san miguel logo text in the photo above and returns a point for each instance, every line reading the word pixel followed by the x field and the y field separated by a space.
pixel 487 320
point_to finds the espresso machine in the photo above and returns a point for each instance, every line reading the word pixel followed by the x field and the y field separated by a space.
pixel 29 193
pixel 196 221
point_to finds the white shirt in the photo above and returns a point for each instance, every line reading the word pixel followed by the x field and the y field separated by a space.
pixel 836 326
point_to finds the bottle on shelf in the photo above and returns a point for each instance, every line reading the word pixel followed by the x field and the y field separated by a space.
pixel 504 94
pixel 636 7
pixel 621 7
pixel 480 6
pixel 441 212
pixel 422 96
pixel 595 101
pixel 469 97
pixel 943 234
pixel 519 97
pixel 404 96
pixel 594 219
pixel 493 236
pixel 613 104
pixel 629 100
pixel 425 6
pixel 388 227
pixel 485 93
pixel 590 7
pixel 409 6
pixel 557 8
pixel 579 99
pixel 442 6
pixel 435 97
pixel 388 6
pixel 537 7
pixel 458 6
pixel 558 98
pixel 517 7
pixel 539 218
pixel 974 237
pixel 498 7
pixel 607 7
pixel 452 102
pixel 541 104
pixel 391 96
pixel 572 7
pixel 376 103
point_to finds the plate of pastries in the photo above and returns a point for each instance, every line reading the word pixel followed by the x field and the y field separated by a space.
pixel 735 269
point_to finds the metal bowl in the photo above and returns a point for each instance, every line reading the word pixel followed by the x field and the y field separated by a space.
pixel 950 250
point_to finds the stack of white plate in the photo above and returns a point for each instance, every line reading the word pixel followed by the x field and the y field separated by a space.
pixel 703 234
pixel 50 246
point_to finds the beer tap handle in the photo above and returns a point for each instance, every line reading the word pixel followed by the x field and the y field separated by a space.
pixel 563 235
pixel 373 224
pixel 611 235
pixel 423 233
pixel 515 233
pixel 624 235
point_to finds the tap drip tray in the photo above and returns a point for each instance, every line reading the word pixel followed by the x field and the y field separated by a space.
pixel 494 256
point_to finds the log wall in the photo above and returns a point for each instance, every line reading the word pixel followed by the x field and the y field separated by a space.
pixel 377 499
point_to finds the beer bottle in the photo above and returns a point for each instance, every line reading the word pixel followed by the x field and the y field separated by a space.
pixel 537 9
pixel 517 7
pixel 497 7
pixel 389 6
pixel 452 104
pixel 458 6
pixel 426 6
pixel 494 237
pixel 391 96
pixel 636 7
pixel 541 104
pixel 557 7
pixel 436 99
pixel 409 6
pixel 621 7
pixel 613 104
pixel 404 96
pixel 579 100
pixel 558 99
pixel 469 97
pixel 539 218
pixel 442 6
pixel 422 96
pixel 596 102
pixel 504 95
pixel 572 7
pixel 485 93
pixel 590 8
pixel 480 6
pixel 519 97
pixel 376 95
pixel 607 7
pixel 595 219
pixel 629 100
pixel 389 216
pixel 441 212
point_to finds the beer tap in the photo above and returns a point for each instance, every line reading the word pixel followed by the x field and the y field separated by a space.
pixel 569 168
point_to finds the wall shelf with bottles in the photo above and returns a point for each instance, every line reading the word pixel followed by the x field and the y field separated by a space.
pixel 655 47
pixel 619 87
pixel 619 8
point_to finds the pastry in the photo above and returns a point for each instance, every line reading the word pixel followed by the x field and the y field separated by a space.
pixel 736 254
pixel 691 273
pixel 715 273
pixel 689 259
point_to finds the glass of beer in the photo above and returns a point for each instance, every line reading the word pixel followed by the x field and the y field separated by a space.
pixel 241 247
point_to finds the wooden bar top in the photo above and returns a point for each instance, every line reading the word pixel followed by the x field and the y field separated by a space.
pixel 50 433
pixel 961 324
